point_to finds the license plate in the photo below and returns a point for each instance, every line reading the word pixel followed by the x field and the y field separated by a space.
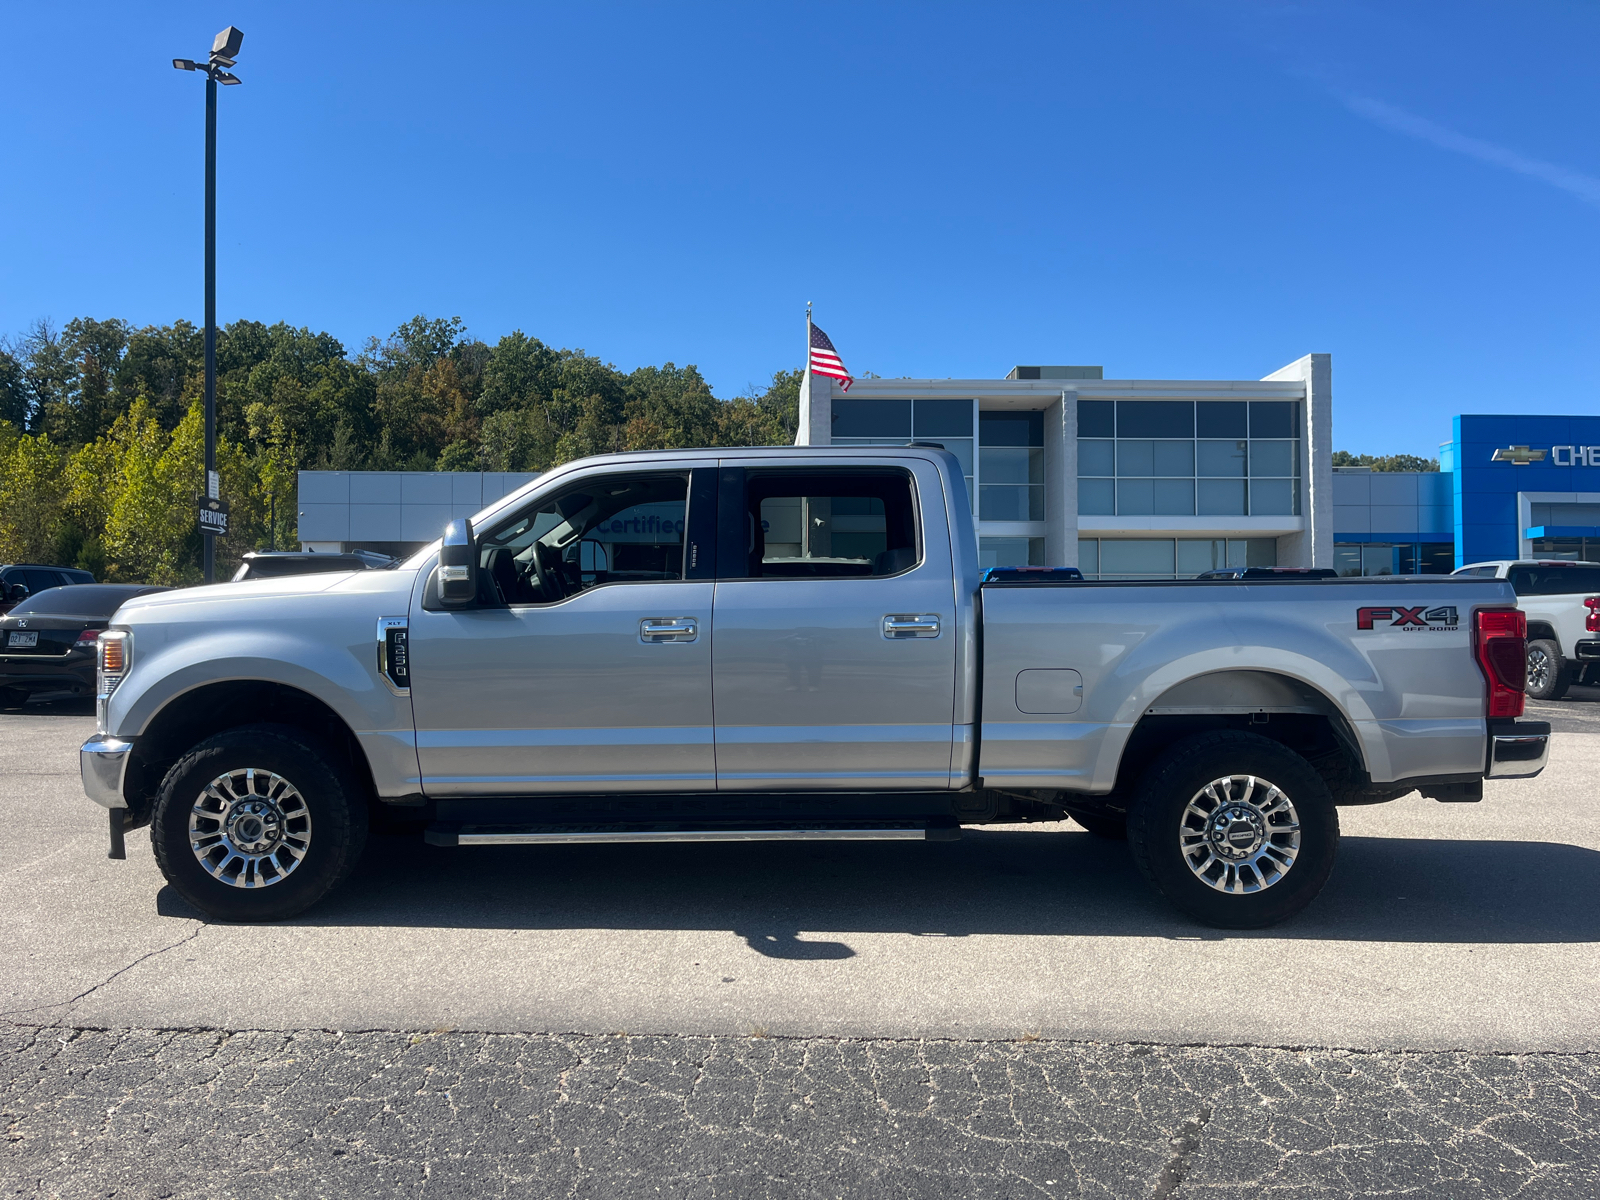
pixel 21 641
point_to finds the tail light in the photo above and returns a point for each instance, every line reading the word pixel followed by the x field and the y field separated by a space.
pixel 1501 641
pixel 1592 621
pixel 88 637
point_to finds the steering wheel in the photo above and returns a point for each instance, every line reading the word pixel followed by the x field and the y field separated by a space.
pixel 551 586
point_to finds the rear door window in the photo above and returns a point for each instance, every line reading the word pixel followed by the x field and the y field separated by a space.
pixel 822 525
pixel 38 581
pixel 1554 581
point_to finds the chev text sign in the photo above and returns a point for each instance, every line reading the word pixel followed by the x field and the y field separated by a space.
pixel 1558 456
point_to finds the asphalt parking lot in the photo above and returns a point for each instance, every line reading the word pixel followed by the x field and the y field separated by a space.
pixel 1018 994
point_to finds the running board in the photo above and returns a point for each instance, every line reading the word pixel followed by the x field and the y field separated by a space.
pixel 451 834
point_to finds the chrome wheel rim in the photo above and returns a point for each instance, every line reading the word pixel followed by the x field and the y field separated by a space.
pixel 1240 834
pixel 250 828
pixel 1539 669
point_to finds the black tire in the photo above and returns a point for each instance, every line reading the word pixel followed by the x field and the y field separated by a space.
pixel 1106 825
pixel 1549 675
pixel 13 698
pixel 329 808
pixel 1336 773
pixel 1157 818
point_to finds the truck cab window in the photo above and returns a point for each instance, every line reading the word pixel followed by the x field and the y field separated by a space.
pixel 613 529
pixel 814 526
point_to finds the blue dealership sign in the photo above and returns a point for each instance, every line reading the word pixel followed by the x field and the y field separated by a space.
pixel 1522 478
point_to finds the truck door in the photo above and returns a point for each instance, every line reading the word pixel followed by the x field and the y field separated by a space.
pixel 591 669
pixel 835 652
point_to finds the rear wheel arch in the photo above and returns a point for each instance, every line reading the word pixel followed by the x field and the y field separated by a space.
pixel 1287 710
pixel 1541 631
pixel 193 716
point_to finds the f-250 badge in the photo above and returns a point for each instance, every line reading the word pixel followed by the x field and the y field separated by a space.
pixel 1420 617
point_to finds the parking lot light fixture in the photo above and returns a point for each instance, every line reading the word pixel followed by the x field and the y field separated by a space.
pixel 224 52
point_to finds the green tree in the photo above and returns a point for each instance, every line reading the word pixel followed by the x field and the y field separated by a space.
pixel 30 499
pixel 13 388
pixel 1386 462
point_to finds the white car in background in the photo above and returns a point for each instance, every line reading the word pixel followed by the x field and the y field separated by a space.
pixel 1562 602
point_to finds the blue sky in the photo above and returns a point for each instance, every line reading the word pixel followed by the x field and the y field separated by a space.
pixel 1172 190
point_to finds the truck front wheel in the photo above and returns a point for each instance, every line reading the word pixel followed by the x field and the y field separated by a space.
pixel 1548 676
pixel 1234 829
pixel 257 824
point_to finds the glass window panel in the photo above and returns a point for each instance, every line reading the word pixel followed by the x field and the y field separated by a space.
pixel 942 418
pixel 1174 497
pixel 1155 418
pixel 1221 419
pixel 1225 459
pixel 1199 554
pixel 1005 503
pixel 1220 497
pixel 1274 418
pixel 1136 556
pixel 1347 559
pixel 872 418
pixel 1174 458
pixel 1378 560
pixel 1004 464
pixel 1237 552
pixel 1271 497
pixel 1035 503
pixel 1135 497
pixel 1095 457
pixel 1011 428
pixel 1095 498
pixel 1272 458
pixel 1436 558
pixel 1097 418
pixel 961 448
pixel 1089 556
pixel 1010 552
pixel 1136 458
pixel 1261 552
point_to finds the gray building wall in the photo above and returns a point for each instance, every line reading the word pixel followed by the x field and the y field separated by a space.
pixel 1393 506
pixel 392 510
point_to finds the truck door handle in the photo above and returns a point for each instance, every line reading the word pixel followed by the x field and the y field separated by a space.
pixel 911 625
pixel 668 629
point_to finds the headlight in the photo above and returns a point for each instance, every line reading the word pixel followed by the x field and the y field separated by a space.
pixel 113 657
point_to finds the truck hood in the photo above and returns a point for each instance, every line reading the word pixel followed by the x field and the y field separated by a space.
pixel 251 589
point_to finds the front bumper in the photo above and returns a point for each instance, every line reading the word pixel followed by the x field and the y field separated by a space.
pixel 1520 750
pixel 103 761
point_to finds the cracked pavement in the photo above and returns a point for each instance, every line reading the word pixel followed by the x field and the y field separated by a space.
pixel 270 1114
pixel 1009 1015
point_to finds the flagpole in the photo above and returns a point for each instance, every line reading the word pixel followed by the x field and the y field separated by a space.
pixel 803 409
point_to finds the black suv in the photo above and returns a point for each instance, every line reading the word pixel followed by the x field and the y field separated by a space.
pixel 19 580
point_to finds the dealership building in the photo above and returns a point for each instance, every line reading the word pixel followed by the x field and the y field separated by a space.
pixel 1132 478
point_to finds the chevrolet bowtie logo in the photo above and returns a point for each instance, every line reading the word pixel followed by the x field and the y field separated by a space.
pixel 1520 455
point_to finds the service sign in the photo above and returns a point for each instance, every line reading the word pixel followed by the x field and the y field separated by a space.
pixel 213 515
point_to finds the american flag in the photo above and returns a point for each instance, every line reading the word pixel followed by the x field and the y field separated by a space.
pixel 825 359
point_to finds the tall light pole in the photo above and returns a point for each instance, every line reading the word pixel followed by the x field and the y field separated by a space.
pixel 224 50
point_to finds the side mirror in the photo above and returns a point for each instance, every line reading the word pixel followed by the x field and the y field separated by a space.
pixel 458 565
pixel 16 592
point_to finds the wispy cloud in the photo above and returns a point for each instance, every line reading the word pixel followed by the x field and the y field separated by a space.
pixel 1585 187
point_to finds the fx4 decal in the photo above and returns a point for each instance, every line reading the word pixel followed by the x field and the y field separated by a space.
pixel 1420 617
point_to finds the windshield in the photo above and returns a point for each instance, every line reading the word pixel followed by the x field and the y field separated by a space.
pixel 1554 581
pixel 83 600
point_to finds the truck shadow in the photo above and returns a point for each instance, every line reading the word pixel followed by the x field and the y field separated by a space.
pixel 990 882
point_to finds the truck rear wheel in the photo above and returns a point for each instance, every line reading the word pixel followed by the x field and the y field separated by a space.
pixel 1234 829
pixel 1548 674
pixel 257 824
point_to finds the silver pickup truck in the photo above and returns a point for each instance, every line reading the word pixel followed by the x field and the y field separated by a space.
pixel 787 644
